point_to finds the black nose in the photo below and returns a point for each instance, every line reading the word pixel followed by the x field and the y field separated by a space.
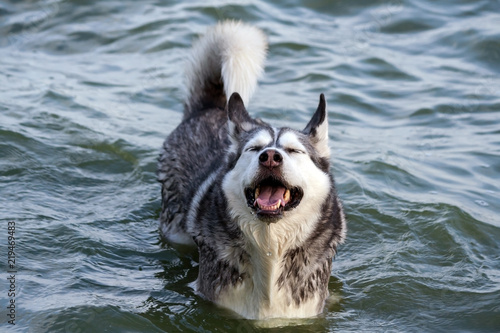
pixel 270 158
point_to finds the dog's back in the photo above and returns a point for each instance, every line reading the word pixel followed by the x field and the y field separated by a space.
pixel 228 59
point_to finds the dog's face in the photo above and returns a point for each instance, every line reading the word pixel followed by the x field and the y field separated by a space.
pixel 277 175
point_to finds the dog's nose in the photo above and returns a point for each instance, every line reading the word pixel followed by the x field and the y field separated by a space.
pixel 270 158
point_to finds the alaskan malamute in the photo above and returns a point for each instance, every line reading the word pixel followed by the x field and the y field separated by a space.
pixel 258 201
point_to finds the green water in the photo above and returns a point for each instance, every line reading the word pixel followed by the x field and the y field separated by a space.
pixel 90 89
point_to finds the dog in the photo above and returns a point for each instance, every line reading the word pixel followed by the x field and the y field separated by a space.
pixel 258 201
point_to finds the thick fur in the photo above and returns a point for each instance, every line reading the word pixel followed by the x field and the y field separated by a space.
pixel 259 262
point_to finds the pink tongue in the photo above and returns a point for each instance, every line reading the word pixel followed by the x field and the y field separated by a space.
pixel 270 196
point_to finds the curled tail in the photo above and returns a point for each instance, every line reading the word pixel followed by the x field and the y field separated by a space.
pixel 228 59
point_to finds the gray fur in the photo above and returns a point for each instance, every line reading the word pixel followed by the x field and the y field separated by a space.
pixel 203 147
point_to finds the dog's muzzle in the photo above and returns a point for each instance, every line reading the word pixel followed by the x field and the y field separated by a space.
pixel 270 197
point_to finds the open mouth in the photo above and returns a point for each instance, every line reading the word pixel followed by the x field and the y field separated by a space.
pixel 270 198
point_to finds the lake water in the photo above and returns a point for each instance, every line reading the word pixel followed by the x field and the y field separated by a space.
pixel 90 89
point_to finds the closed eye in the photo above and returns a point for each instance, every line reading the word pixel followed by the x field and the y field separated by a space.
pixel 254 148
pixel 294 151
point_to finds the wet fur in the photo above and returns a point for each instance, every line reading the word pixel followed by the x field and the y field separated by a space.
pixel 207 162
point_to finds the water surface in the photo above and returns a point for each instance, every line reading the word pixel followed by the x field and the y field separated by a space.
pixel 90 89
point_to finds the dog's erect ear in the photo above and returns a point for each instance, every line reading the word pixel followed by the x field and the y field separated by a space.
pixel 317 129
pixel 239 119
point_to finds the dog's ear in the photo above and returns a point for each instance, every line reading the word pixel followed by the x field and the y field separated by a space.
pixel 317 129
pixel 239 119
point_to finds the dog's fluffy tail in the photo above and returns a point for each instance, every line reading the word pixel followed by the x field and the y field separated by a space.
pixel 229 58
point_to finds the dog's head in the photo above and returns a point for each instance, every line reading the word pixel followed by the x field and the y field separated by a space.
pixel 276 175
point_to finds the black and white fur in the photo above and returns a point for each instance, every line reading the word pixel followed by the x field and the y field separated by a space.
pixel 258 201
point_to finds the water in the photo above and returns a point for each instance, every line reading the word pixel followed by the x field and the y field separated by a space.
pixel 89 90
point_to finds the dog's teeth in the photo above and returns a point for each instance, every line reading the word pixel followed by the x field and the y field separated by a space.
pixel 257 192
pixel 286 196
pixel 273 207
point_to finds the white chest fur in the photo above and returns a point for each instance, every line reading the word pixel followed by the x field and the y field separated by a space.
pixel 258 295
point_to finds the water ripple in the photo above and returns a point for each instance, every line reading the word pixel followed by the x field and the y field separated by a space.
pixel 90 90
